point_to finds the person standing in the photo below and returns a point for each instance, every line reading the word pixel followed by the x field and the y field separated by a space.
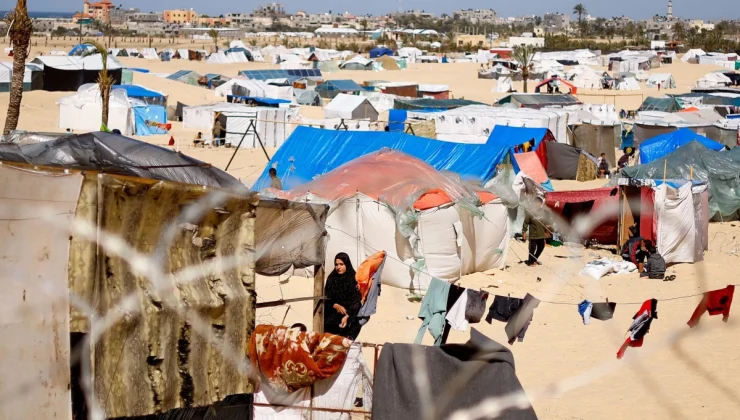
pixel 217 128
pixel 274 180
pixel 534 229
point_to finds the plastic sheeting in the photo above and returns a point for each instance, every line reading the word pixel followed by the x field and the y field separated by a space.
pixel 660 146
pixel 696 162
pixel 116 154
pixel 150 120
pixel 680 231
pixel 311 152
pixel 84 110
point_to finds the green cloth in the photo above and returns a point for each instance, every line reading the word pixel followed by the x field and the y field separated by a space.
pixel 536 227
pixel 433 310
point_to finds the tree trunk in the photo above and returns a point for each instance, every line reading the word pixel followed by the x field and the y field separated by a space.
pixel 105 95
pixel 524 78
pixel 20 52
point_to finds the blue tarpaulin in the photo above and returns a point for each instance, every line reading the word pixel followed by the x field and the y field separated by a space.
pixel 136 91
pixel 254 100
pixel 380 51
pixel 146 116
pixel 665 144
pixel 311 152
pixel 397 120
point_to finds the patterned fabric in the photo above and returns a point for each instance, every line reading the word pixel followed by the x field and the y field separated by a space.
pixel 586 169
pixel 290 359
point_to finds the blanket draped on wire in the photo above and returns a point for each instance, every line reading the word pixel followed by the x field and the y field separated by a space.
pixel 290 359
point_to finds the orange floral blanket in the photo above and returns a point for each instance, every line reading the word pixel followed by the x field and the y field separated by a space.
pixel 290 359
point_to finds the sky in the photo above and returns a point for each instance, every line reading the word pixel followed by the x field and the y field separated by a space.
pixel 636 9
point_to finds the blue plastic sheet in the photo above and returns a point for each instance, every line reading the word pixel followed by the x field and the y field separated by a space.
pixel 147 116
pixel 311 152
pixel 397 120
pixel 660 146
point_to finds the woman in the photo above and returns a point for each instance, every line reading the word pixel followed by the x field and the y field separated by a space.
pixel 343 300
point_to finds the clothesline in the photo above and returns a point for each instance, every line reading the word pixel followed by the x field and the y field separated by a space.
pixel 542 301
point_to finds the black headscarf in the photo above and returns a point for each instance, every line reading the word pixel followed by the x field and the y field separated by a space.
pixel 342 289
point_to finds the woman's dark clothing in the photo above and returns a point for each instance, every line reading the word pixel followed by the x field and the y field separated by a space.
pixel 342 289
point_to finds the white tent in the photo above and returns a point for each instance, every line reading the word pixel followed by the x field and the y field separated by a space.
pixel 628 83
pixel 257 55
pixel 665 80
pixel 683 222
pixel 149 54
pixel 274 125
pixel 693 55
pixel 6 73
pixel 83 110
pixel 237 44
pixel 503 85
pixel 221 57
pixel 357 60
pixel 351 107
pixel 585 77
pixel 90 62
pixel 255 88
pixel 713 80
pixel 184 54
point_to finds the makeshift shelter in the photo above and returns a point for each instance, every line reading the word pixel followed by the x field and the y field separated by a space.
pixel 357 63
pixel 536 101
pixel 665 104
pixel 403 89
pixel 712 80
pixel 427 104
pixel 557 82
pixel 658 147
pixel 69 73
pixel 568 162
pixel 596 138
pixel 571 204
pixel 143 94
pixel 380 52
pixel 331 88
pixel 664 80
pixel 628 83
pixel 253 88
pixel 387 63
pixel 83 110
pixel 531 165
pixel 434 91
pixel 307 97
pixel 254 233
pixel 272 125
pixel 185 76
pixel 33 77
pixel 81 49
pixel 350 107
pixel 692 56
pixel 420 217
pixel 695 162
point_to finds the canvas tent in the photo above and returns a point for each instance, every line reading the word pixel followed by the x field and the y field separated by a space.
pixel 658 147
pixel 714 80
pixel 387 63
pixel 33 77
pixel 692 56
pixel 664 104
pixel 434 91
pixel 665 80
pixel 331 88
pixel 597 137
pixel 307 97
pixel 628 83
pixel 536 101
pixel 420 217
pixel 253 88
pixel 69 73
pixel 571 204
pixel 83 110
pixel 350 107
pixel 569 162
pixel 357 63
pixel 148 96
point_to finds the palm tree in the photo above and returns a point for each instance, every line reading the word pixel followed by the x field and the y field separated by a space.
pixel 214 36
pixel 363 23
pixel 21 28
pixel 524 55
pixel 679 31
pixel 105 81
pixel 580 10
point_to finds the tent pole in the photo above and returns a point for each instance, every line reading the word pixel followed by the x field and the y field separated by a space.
pixel 665 168
pixel 318 293
pixel 691 177
pixel 251 126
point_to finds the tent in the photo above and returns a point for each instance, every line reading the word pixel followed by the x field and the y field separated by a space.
pixel 665 104
pixel 695 162
pixel 571 204
pixel 312 152
pixel 150 120
pixel 434 91
pixel 380 51
pixel 531 165
pixel 331 88
pixel 692 56
pixel 596 138
pixel 149 54
pixel 357 63
pixel 33 77
pixel 568 162
pixel 714 80
pixel 83 110
pixel 350 107
pixel 245 51
pixel 148 96
pixel 556 81
pixel 70 73
pixel 253 88
pixel 272 124
pixel 307 97
pixel 431 104
pixel 658 147
pixel 387 63
pixel 665 80
pixel 628 83
pixel 536 101
pixel 81 49
pixel 420 217
pixel 185 76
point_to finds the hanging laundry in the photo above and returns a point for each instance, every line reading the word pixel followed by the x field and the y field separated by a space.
pixel 476 306
pixel 503 307
pixel 433 310
pixel 452 297
pixel 640 326
pixel 603 311
pixel 456 315
pixel 519 322
pixel 585 308
pixel 715 302
pixel 368 280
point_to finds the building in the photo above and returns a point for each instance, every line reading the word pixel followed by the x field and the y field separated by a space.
pixel 119 15
pixel 475 40
pixel 475 16
pixel 180 17
pixel 209 22
pixel 535 42
pixel 556 21
pixel 272 10
pixel 240 20
pixel 99 11
pixel 145 17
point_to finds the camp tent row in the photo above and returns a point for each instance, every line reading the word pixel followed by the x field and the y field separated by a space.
pixel 68 73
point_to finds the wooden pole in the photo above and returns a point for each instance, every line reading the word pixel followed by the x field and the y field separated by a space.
pixel 318 290
pixel 665 168
pixel 691 177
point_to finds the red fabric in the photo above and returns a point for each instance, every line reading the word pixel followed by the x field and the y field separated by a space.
pixel 531 165
pixel 715 302
pixel 290 359
pixel 541 153
pixel 645 309
pixel 647 209
pixel 366 271
pixel 606 233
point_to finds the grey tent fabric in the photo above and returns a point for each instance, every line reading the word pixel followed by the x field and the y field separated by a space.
pixel 492 374
pixel 116 154
pixel 598 139
pixel 562 160
pixel 693 161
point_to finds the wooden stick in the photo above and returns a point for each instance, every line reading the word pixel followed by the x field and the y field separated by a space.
pixel 665 168
pixel 691 177
pixel 318 290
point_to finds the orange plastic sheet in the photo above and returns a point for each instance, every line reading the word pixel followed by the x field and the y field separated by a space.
pixel 395 178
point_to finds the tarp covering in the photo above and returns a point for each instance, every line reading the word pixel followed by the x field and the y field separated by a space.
pixel 660 146
pixel 116 154
pixel 694 161
pixel 310 152
pixel 597 139
pixel 667 104
pixel 380 51
pixel 150 120
pixel 431 104
pixel 562 161
pixel 569 204
pixel 679 239
pixel 530 164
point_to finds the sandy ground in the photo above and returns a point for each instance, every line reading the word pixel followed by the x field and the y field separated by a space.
pixel 698 377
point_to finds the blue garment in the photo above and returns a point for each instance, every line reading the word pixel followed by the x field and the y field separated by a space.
pixel 369 308
pixel 584 308
pixel 433 311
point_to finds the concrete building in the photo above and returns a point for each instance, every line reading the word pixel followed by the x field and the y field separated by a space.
pixel 181 17
pixel 272 10
pixel 556 21
pixel 146 17
pixel 240 20
pixel 99 11
pixel 477 15
pixel 475 40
